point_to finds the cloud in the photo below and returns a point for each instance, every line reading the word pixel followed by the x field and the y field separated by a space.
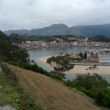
pixel 28 14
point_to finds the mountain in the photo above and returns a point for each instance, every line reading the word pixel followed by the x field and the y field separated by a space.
pixel 62 29
pixel 54 29
pixel 94 30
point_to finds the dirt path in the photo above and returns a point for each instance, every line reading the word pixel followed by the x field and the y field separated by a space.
pixel 52 94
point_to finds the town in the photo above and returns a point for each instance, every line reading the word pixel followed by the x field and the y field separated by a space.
pixel 61 43
pixel 89 58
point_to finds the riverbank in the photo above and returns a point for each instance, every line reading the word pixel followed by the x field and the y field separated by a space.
pixel 82 69
pixel 43 59
pixel 85 69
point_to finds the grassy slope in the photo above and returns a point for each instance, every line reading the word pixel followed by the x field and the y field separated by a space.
pixel 52 94
pixel 6 91
pixel 10 96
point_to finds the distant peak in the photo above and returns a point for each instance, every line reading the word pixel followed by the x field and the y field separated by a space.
pixel 59 25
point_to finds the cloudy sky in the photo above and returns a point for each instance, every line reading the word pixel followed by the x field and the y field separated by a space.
pixel 29 14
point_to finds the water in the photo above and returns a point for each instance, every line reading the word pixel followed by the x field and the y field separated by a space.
pixel 49 52
pixel 38 54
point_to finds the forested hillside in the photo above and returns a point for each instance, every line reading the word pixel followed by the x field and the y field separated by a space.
pixel 10 52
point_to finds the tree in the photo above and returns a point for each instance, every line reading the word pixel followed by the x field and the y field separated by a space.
pixel 5 46
pixel 19 55
pixel 81 55
pixel 10 52
pixel 59 64
pixel 85 55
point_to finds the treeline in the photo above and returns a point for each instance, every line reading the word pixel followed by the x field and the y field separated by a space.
pixel 18 38
pixel 100 38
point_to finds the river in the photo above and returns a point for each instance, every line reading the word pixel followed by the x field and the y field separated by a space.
pixel 39 54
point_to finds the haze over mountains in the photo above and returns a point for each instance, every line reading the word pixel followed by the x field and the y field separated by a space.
pixel 62 29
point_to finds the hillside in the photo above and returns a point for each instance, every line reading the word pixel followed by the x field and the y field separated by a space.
pixel 4 42
pixel 5 46
pixel 52 94
pixel 10 52
pixel 99 38
pixel 62 29
pixel 94 30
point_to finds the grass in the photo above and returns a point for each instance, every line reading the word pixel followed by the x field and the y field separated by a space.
pixel 6 91
pixel 12 95
pixel 51 94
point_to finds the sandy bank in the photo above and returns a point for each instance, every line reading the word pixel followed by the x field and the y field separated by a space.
pixel 44 59
pixel 83 69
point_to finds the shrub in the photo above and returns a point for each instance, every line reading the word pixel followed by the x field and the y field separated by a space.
pixel 94 86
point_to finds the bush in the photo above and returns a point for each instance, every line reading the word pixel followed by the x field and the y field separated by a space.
pixel 56 75
pixel 94 86
pixel 24 102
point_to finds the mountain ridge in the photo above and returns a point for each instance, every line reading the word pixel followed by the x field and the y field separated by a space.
pixel 62 29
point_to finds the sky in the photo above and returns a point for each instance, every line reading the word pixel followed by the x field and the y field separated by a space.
pixel 32 14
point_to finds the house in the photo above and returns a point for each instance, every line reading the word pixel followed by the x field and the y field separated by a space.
pixel 71 56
